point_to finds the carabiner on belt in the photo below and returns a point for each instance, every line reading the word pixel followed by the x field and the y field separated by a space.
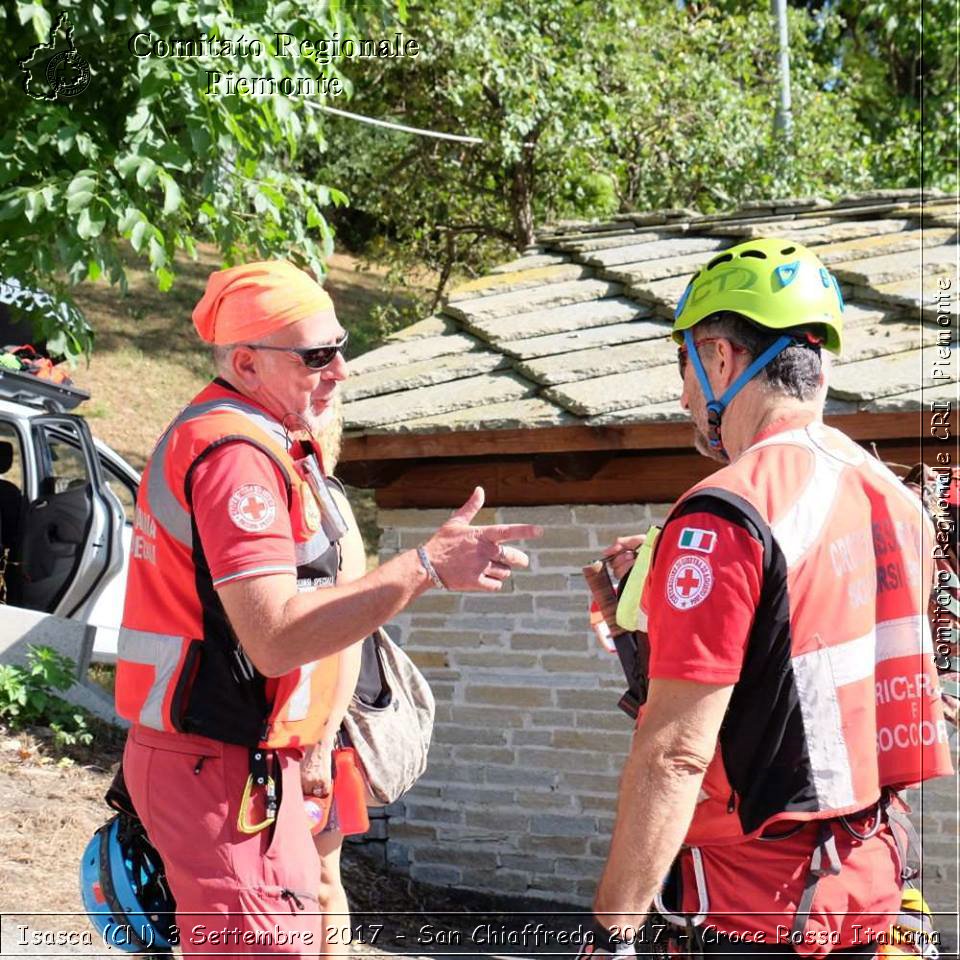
pixel 258 777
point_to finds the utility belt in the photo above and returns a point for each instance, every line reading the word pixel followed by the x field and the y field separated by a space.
pixel 824 862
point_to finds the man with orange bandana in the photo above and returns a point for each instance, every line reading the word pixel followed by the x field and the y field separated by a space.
pixel 235 614
pixel 790 689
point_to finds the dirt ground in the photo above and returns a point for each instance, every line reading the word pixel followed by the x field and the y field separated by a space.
pixel 53 802
pixel 53 798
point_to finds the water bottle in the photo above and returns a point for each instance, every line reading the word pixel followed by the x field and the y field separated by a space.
pixel 318 811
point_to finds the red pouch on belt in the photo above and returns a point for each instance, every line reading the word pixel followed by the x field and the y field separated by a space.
pixel 349 792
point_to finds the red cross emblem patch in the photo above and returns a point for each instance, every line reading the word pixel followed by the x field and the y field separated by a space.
pixel 689 582
pixel 252 507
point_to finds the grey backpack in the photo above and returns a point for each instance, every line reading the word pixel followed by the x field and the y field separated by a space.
pixel 392 734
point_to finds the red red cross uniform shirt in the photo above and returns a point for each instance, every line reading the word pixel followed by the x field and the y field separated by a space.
pixel 240 505
pixel 701 599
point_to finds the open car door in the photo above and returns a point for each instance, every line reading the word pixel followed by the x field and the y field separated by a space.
pixel 71 535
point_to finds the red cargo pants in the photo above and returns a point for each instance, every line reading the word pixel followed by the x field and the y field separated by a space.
pixel 236 892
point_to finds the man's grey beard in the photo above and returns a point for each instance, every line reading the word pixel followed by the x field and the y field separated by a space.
pixel 305 419
pixel 318 421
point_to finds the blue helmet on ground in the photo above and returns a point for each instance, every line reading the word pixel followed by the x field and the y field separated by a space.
pixel 125 890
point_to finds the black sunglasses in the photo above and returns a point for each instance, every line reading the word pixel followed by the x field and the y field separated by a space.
pixel 316 358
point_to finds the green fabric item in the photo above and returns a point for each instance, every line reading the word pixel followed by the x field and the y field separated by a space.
pixel 628 608
pixel 9 362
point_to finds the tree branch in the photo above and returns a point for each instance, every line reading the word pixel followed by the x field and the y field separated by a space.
pixel 481 229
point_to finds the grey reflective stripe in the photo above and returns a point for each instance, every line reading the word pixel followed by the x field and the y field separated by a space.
pixel 298 704
pixel 308 551
pixel 160 651
pixel 161 501
pixel 823 728
pixel 802 525
pixel 236 405
pixel 818 675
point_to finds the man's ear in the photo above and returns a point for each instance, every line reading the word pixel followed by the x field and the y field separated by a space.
pixel 243 366
pixel 726 363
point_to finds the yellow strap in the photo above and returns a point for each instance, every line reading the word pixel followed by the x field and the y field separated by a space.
pixel 912 899
pixel 242 825
pixel 628 609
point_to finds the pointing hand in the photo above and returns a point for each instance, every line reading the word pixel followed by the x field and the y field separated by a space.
pixel 477 558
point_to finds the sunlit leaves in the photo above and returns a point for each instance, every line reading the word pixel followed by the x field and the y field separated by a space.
pixel 145 157
pixel 587 106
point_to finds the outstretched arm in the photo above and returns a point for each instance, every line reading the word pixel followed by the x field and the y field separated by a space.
pixel 280 629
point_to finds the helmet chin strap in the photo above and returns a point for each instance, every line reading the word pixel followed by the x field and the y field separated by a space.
pixel 715 407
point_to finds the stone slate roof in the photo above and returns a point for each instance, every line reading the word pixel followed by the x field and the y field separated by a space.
pixel 576 330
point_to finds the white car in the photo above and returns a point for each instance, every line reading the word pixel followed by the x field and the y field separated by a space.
pixel 66 510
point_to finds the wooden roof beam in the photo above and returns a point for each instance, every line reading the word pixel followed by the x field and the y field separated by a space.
pixel 663 435
pixel 653 476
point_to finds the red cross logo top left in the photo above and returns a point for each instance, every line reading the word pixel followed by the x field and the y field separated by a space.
pixel 252 507
pixel 689 582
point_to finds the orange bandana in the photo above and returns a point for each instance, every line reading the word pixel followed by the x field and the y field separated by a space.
pixel 250 301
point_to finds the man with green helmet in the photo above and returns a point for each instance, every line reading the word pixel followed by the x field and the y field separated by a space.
pixel 792 305
pixel 790 687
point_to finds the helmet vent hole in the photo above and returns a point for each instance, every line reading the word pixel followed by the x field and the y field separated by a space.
pixel 787 250
pixel 759 254
pixel 723 258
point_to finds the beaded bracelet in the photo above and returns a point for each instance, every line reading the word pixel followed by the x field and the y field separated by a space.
pixel 431 571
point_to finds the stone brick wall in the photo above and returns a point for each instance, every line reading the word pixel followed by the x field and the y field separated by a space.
pixel 520 792
pixel 936 808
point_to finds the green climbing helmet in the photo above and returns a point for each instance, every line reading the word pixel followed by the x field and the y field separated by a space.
pixel 777 284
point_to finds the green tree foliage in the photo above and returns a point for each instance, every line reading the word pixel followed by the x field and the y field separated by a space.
pixel 584 108
pixel 699 132
pixel 900 67
pixel 145 156
pixel 587 107
pixel 525 76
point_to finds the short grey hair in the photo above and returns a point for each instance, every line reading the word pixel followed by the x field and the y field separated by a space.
pixel 221 355
pixel 795 372
pixel 222 351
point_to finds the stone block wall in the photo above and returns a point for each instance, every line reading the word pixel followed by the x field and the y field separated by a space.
pixel 936 809
pixel 520 792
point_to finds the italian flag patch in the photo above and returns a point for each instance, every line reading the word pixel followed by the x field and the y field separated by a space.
pixel 702 540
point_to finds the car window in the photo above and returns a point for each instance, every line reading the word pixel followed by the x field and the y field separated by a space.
pixel 62 465
pixel 120 485
pixel 11 457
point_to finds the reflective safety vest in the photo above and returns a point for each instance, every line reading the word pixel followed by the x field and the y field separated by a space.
pixel 180 667
pixel 838 695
